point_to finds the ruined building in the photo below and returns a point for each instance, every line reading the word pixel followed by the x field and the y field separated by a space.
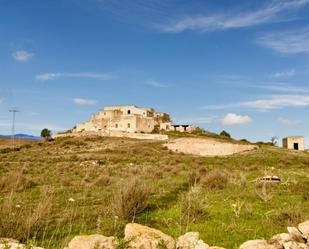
pixel 129 118
pixel 294 143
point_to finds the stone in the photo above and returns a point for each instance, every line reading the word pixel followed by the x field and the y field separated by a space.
pixel 280 238
pixel 295 234
pixel 257 244
pixel 294 245
pixel 13 244
pixel 191 240
pixel 304 228
pixel 143 237
pixel 94 241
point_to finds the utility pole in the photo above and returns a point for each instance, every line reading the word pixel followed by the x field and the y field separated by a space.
pixel 13 111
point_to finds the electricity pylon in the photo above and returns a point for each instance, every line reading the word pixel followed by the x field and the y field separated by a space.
pixel 14 111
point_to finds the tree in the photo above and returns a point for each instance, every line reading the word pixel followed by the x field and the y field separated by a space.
pixel 225 134
pixel 46 133
pixel 274 140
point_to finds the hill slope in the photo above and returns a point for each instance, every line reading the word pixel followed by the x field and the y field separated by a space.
pixel 54 190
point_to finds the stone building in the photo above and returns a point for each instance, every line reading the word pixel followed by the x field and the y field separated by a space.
pixel 294 143
pixel 127 118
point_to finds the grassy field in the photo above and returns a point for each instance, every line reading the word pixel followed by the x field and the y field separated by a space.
pixel 51 191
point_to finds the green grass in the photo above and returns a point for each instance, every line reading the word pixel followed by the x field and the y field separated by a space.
pixel 91 169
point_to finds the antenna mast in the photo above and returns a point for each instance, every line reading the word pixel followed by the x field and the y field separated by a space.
pixel 13 111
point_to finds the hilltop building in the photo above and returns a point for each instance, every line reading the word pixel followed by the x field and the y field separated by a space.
pixel 129 118
pixel 294 143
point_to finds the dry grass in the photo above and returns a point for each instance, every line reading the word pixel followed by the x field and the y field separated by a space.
pixel 215 179
pixel 130 199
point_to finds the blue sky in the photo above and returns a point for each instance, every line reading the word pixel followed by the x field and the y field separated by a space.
pixel 241 66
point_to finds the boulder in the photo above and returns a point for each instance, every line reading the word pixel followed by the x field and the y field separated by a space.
pixel 191 240
pixel 295 245
pixel 143 237
pixel 257 244
pixel 95 241
pixel 295 234
pixel 304 228
pixel 14 244
pixel 280 239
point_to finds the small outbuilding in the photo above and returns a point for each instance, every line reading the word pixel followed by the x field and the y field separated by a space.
pixel 294 143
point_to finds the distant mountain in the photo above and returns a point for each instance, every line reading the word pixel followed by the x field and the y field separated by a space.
pixel 23 136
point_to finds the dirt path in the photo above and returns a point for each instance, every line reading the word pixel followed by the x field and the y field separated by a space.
pixel 207 147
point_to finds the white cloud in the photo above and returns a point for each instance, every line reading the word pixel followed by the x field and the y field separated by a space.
pixel 289 122
pixel 284 88
pixel 81 101
pixel 288 42
pixel 53 76
pixel 22 55
pixel 284 74
pixel 155 83
pixel 235 119
pixel 272 102
pixel 270 13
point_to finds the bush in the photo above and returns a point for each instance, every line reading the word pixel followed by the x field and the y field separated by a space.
pixel 194 204
pixel 215 179
pixel 130 199
pixel 225 134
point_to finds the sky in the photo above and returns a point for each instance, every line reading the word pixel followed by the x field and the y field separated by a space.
pixel 235 65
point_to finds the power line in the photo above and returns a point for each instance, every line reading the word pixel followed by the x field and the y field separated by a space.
pixel 13 111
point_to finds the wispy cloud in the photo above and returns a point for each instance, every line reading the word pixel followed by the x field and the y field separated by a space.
pixel 22 55
pixel 288 42
pixel 155 83
pixel 81 101
pixel 266 104
pixel 269 13
pixel 289 122
pixel 284 74
pixel 53 76
pixel 284 88
pixel 235 119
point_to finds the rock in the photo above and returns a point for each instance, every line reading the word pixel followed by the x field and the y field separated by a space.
pixel 216 247
pixel 295 245
pixel 280 239
pixel 257 244
pixel 95 241
pixel 304 228
pixel 143 237
pixel 191 240
pixel 295 234
pixel 14 244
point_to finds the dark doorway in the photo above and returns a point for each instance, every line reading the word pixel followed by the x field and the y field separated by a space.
pixel 296 146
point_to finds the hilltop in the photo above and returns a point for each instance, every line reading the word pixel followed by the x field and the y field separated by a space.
pixel 52 191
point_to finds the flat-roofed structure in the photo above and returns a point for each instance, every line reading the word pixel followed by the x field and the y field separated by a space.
pixel 294 143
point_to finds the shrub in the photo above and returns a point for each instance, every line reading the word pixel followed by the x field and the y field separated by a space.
pixel 225 134
pixel 194 204
pixel 130 199
pixel 215 179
